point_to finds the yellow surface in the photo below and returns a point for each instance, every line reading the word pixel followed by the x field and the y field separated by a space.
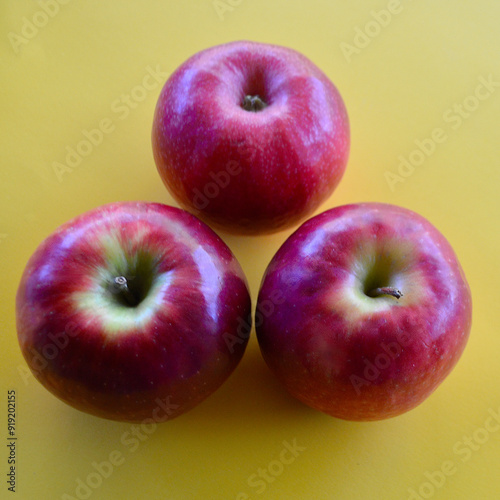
pixel 405 82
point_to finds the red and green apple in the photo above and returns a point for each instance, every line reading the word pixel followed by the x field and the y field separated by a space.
pixel 123 311
pixel 376 311
pixel 250 137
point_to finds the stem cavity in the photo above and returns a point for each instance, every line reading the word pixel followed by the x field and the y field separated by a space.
pixel 253 103
pixel 121 288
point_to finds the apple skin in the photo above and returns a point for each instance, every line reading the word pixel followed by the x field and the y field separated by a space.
pixel 154 360
pixel 354 356
pixel 242 171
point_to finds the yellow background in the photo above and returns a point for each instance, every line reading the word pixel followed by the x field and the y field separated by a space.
pixel 399 85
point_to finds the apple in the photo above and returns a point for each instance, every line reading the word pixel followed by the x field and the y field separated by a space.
pixel 250 137
pixel 375 311
pixel 123 312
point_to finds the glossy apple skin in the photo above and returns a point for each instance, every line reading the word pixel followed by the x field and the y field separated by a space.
pixel 152 361
pixel 257 172
pixel 349 355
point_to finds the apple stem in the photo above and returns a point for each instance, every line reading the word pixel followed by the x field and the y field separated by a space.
pixel 253 103
pixel 121 287
pixel 385 290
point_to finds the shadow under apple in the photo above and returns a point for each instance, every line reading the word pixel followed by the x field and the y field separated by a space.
pixel 251 395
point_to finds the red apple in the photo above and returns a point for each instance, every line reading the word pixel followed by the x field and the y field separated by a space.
pixel 123 312
pixel 375 311
pixel 250 137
